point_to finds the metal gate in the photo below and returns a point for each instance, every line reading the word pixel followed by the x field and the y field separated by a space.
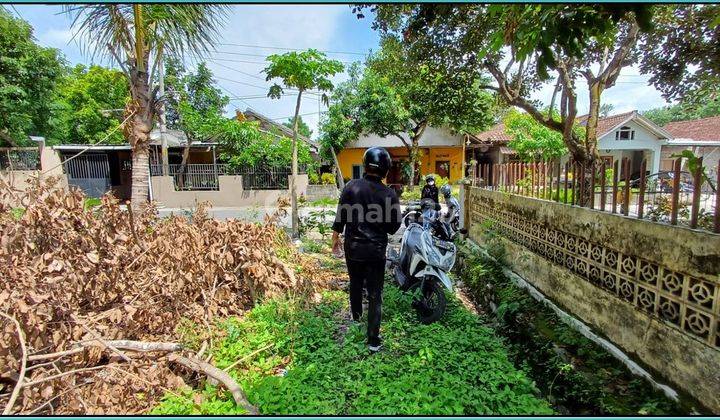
pixel 90 173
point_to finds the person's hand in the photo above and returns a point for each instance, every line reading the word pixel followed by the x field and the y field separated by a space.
pixel 337 248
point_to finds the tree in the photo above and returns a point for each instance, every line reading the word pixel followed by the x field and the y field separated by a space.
pixel 304 71
pixel 89 101
pixel 136 37
pixel 29 75
pixel 682 112
pixel 190 98
pixel 606 109
pixel 303 128
pixel 417 95
pixel 532 140
pixel 521 46
pixel 682 52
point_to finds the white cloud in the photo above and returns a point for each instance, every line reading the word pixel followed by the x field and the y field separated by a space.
pixel 58 38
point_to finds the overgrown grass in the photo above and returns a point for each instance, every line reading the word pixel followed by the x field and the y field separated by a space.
pixel 578 376
pixel 323 202
pixel 311 364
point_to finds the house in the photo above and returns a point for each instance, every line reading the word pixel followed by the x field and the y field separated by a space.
pixel 701 136
pixel 441 152
pixel 273 126
pixel 491 146
pixel 627 135
pixel 630 135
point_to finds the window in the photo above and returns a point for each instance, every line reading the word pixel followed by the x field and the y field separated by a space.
pixel 357 171
pixel 625 133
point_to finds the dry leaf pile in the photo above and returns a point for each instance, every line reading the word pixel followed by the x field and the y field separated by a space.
pixel 75 278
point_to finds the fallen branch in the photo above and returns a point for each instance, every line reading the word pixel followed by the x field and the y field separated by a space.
pixel 23 364
pixel 56 355
pixel 249 356
pixel 139 346
pixel 60 375
pixel 102 341
pixel 219 375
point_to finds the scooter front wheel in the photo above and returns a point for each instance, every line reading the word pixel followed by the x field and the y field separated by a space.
pixel 429 300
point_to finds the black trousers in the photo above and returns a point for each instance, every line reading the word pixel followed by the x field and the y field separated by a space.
pixel 369 275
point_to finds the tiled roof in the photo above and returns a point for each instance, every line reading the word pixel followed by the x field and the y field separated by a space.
pixel 495 135
pixel 605 124
pixel 704 129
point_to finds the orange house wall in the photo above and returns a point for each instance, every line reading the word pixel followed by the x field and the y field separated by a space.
pixel 429 156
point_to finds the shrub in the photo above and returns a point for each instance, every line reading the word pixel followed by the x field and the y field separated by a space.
pixel 327 179
pixel 313 178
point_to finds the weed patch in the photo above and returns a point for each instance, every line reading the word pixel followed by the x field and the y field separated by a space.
pixel 308 365
pixel 576 375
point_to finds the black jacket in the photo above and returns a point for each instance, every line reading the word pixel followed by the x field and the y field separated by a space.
pixel 368 211
pixel 431 192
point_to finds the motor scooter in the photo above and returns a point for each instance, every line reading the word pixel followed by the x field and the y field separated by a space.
pixel 427 254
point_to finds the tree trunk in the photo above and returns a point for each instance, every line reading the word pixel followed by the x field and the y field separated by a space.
pixel 415 149
pixel 137 132
pixel 140 177
pixel 295 217
pixel 338 173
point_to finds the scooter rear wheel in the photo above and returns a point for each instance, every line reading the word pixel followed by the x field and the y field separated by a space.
pixel 429 302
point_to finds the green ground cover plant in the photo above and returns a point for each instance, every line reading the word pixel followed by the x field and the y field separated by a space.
pixel 576 375
pixel 294 359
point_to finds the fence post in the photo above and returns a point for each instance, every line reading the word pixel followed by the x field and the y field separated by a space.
pixel 697 189
pixel 716 228
pixel 567 168
pixel 615 185
pixel 641 198
pixel 593 168
pixel 626 189
pixel 559 172
pixel 603 197
pixel 675 192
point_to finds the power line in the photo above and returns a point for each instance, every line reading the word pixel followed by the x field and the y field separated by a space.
pixel 263 56
pixel 291 49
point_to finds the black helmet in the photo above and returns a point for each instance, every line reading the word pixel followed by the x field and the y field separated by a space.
pixel 429 179
pixel 446 190
pixel 377 161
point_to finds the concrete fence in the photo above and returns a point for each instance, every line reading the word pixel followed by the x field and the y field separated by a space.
pixel 652 289
pixel 229 194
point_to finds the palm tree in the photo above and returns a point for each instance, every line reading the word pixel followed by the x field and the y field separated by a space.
pixel 136 37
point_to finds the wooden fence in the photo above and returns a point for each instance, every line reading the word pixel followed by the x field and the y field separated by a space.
pixel 676 197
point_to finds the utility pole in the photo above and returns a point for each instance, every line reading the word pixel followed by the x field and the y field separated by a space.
pixel 163 121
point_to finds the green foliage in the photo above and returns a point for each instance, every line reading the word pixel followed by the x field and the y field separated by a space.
pixel 324 202
pixel 313 178
pixel 89 105
pixel 683 111
pixel 305 70
pixel 29 75
pixel 91 202
pixel 531 140
pixel 681 53
pixel 17 212
pixel 578 376
pixel 303 128
pixel 327 178
pixel 191 97
pixel 314 365
pixel 317 220
pixel 242 143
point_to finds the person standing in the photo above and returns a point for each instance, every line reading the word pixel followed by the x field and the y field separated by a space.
pixel 368 211
pixel 430 191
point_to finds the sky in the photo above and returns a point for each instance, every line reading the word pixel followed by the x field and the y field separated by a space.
pixel 254 31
